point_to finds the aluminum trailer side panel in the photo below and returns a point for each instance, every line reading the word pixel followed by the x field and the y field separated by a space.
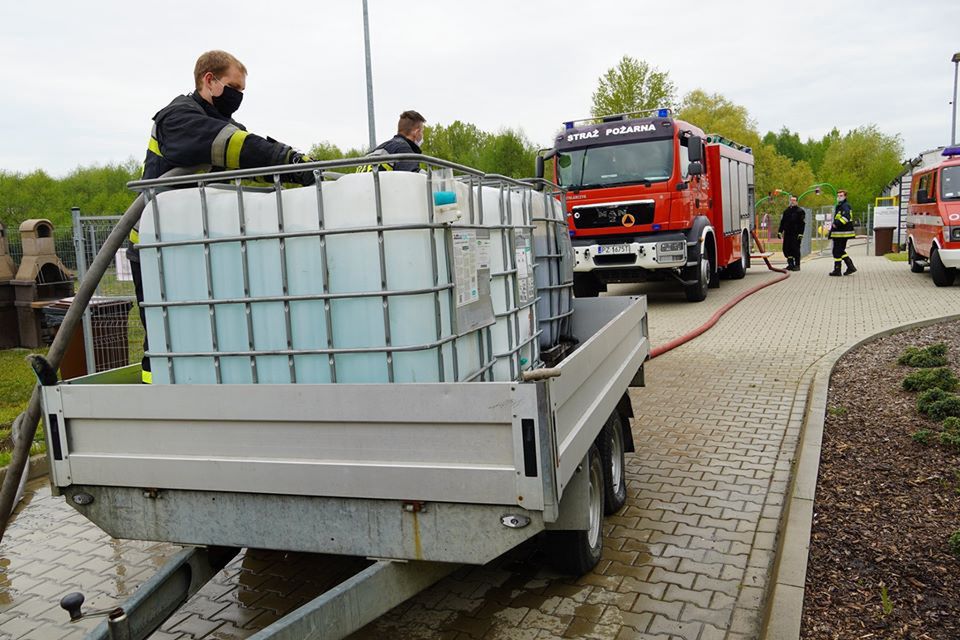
pixel 597 374
pixel 455 442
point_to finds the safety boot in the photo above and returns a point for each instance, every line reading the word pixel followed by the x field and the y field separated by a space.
pixel 789 263
pixel 850 268
pixel 836 269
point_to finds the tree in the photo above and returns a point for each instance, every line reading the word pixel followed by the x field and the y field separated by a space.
pixel 508 153
pixel 459 142
pixel 787 143
pixel 716 114
pixel 863 162
pixel 329 151
pixel 632 86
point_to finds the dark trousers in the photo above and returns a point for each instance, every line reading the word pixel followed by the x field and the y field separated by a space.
pixel 791 247
pixel 138 287
pixel 839 250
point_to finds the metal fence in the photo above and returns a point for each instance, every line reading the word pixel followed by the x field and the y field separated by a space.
pixel 112 332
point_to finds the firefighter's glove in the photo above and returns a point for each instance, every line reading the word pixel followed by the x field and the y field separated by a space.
pixel 305 178
pixel 799 236
pixel 779 235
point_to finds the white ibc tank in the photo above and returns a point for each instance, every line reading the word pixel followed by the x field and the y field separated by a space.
pixel 512 280
pixel 554 273
pixel 349 262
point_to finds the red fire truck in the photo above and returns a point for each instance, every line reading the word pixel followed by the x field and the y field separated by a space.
pixel 933 220
pixel 653 198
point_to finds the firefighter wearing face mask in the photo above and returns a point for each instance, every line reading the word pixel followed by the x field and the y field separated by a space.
pixel 408 140
pixel 198 130
pixel 841 232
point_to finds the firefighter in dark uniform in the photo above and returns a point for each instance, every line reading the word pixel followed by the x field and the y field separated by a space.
pixel 840 232
pixel 197 130
pixel 408 140
pixel 792 222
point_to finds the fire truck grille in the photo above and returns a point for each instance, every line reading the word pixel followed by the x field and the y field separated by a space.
pixel 622 216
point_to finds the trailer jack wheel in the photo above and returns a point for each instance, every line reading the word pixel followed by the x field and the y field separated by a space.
pixel 577 552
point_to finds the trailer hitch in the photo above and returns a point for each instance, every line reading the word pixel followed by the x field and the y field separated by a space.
pixel 158 598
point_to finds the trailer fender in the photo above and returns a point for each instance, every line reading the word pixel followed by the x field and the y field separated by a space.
pixel 625 409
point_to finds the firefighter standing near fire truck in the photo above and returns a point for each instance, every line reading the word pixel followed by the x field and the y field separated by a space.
pixel 792 223
pixel 840 233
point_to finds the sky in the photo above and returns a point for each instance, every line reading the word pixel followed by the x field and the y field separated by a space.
pixel 79 82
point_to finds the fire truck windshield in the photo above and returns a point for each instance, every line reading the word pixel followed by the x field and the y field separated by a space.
pixel 950 183
pixel 634 163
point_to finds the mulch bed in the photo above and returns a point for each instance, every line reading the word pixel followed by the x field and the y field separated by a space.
pixel 885 505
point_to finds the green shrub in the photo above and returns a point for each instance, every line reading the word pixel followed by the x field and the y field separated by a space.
pixel 932 356
pixel 954 543
pixel 922 436
pixel 948 439
pixel 940 378
pixel 938 404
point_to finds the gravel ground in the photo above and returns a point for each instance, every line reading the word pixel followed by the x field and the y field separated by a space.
pixel 880 565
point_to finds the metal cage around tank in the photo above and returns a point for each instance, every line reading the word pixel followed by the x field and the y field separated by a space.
pixel 472 216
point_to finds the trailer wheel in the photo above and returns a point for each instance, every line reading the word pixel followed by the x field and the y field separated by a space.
pixel 701 272
pixel 611 445
pixel 585 285
pixel 577 552
pixel 942 276
pixel 915 267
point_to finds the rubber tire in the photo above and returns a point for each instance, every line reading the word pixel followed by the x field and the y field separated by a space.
pixel 738 270
pixel 585 285
pixel 611 444
pixel 698 291
pixel 942 276
pixel 573 552
pixel 912 259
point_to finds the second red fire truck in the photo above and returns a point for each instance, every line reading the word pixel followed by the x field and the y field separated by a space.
pixel 653 198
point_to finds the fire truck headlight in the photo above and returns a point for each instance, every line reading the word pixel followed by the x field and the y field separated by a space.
pixel 954 234
pixel 677 246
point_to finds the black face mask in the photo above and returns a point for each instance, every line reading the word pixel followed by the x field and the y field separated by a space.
pixel 228 101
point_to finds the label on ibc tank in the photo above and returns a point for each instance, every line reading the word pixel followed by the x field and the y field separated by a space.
pixel 465 266
pixel 524 257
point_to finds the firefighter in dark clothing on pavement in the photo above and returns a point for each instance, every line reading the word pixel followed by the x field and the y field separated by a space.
pixel 197 130
pixel 841 232
pixel 408 140
pixel 792 222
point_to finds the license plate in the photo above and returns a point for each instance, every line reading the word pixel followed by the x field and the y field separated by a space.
pixel 615 248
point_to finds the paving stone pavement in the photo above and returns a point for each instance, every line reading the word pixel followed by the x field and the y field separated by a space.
pixel 688 557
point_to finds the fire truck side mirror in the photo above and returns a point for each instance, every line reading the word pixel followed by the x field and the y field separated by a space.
pixel 540 169
pixel 695 169
pixel 695 149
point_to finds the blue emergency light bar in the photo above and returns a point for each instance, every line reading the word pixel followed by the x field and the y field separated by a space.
pixel 951 151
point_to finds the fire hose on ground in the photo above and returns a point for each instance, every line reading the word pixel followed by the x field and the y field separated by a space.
pixel 690 335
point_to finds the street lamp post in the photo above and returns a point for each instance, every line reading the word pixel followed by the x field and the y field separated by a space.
pixel 366 46
pixel 953 126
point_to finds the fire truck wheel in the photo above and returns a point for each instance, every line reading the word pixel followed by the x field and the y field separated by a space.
pixel 915 266
pixel 942 276
pixel 585 285
pixel 577 552
pixel 701 273
pixel 738 269
pixel 610 443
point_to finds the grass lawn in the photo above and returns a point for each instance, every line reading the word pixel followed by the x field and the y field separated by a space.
pixel 896 257
pixel 16 385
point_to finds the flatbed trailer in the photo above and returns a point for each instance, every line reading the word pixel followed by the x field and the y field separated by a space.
pixel 418 478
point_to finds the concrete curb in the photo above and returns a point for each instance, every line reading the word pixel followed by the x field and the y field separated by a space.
pixel 784 606
pixel 39 466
